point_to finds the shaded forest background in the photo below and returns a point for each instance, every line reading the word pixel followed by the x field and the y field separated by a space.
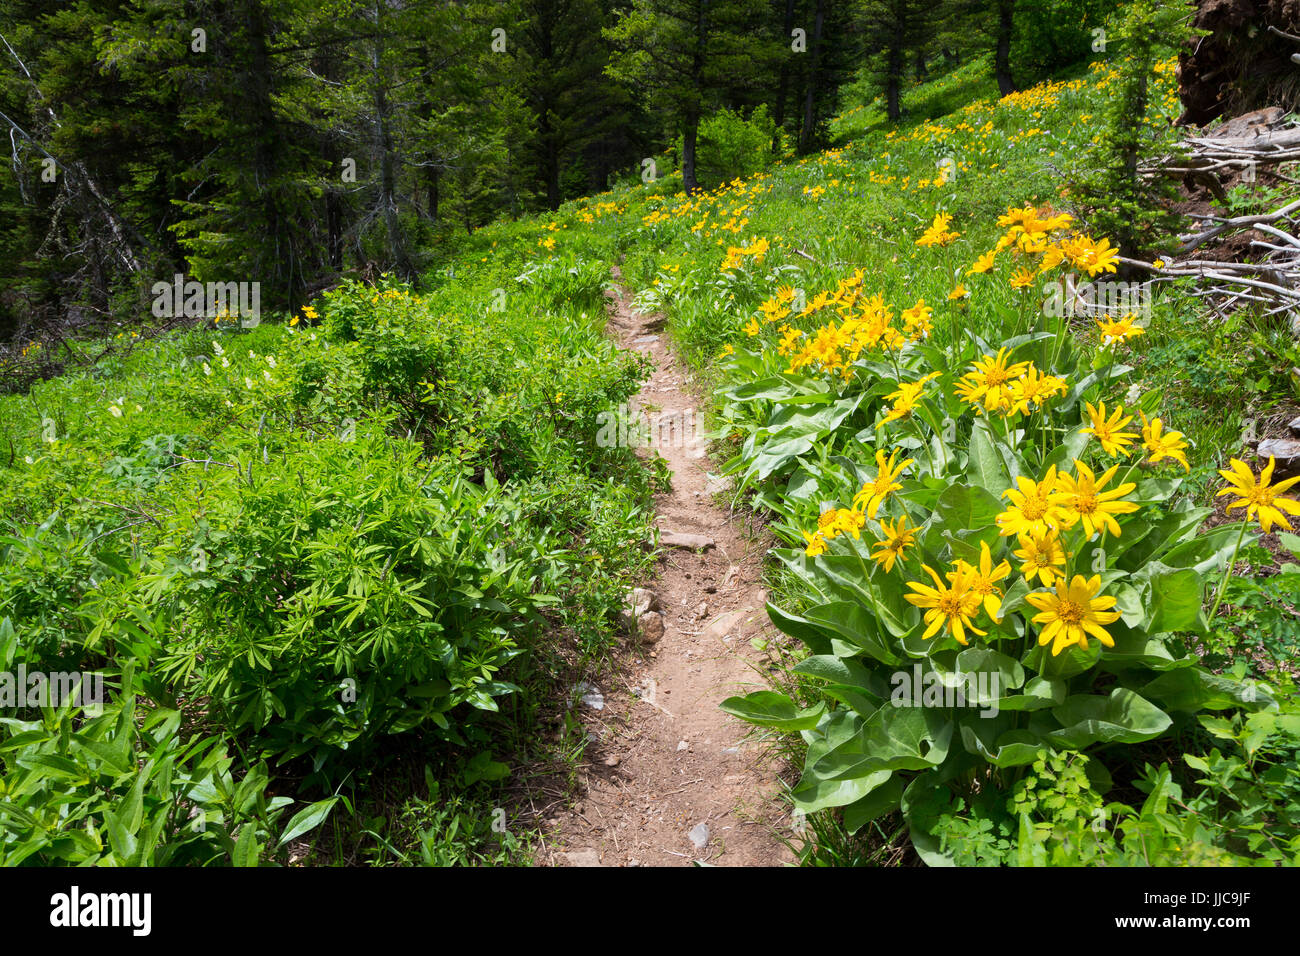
pixel 292 142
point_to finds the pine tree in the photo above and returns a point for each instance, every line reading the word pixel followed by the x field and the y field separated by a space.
pixel 689 55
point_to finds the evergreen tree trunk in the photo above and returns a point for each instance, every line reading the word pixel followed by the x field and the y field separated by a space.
pixel 334 228
pixel 261 119
pixel 808 130
pixel 388 180
pixel 550 159
pixel 1131 147
pixel 894 76
pixel 691 119
pixel 1002 61
pixel 783 83
pixel 690 131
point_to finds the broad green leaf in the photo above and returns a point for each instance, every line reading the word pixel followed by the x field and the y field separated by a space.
pixel 1063 455
pixel 246 851
pixel 1192 689
pixel 1205 553
pixel 307 819
pixel 966 508
pixel 815 640
pixel 996 740
pixel 812 794
pixel 1173 598
pixel 771 709
pixel 986 465
pixel 1123 717
pixel 120 837
pixel 1039 692
pixel 844 671
pixel 855 624
pixel 893 738
pixel 985 661
pixel 882 799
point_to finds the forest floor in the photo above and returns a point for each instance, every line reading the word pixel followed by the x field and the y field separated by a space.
pixel 669 777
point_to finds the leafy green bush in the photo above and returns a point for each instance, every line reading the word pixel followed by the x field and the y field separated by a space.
pixel 1116 200
pixel 125 789
pixel 731 147
pixel 348 593
pixel 304 539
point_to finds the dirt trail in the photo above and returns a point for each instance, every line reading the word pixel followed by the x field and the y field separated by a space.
pixel 664 759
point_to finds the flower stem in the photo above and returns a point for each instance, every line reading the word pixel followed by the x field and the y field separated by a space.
pixel 866 584
pixel 1232 562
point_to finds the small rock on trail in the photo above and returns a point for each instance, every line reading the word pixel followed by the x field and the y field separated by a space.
pixel 691 542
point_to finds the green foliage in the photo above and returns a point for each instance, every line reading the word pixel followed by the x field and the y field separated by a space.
pixel 323 611
pixel 803 441
pixel 307 539
pixel 732 146
pixel 1241 808
pixel 1048 38
pixel 1261 623
pixel 1117 201
pixel 125 788
pixel 452 830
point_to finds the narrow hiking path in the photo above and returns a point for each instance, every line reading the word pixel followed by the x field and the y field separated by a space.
pixel 669 777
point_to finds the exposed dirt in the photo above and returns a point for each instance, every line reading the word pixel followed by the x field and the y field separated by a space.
pixel 1240 65
pixel 664 759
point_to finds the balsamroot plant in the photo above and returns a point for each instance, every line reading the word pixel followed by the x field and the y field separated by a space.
pixel 996 559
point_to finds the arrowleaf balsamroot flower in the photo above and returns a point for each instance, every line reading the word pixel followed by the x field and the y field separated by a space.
pixel 1161 444
pixel 1042 555
pixel 816 544
pixel 1052 258
pixel 1118 330
pixel 1092 256
pixel 898 538
pixel 1085 502
pixel 1035 506
pixel 947 607
pixel 938 234
pixel 982 579
pixel 984 263
pixel 917 320
pixel 1022 278
pixel 1259 498
pixel 875 491
pixel 905 399
pixel 989 381
pixel 1034 388
pixel 1070 614
pixel 838 521
pixel 1109 431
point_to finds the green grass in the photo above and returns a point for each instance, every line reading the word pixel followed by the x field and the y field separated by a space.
pixel 485 388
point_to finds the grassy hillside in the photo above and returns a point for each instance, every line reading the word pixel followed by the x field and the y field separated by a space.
pixel 382 534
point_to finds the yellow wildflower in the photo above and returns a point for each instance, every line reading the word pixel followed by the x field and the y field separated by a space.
pixel 875 491
pixel 1107 430
pixel 898 538
pixel 1042 555
pixel 1085 502
pixel 1161 444
pixel 1259 498
pixel 952 608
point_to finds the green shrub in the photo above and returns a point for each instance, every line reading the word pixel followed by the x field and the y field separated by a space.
pixel 732 147
pixel 124 788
